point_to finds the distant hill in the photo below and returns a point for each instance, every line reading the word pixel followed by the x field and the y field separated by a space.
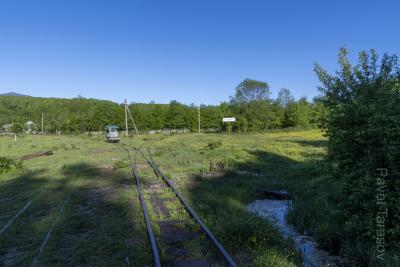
pixel 12 94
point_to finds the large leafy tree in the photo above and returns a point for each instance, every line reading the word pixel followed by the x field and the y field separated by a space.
pixel 362 123
pixel 251 105
pixel 251 90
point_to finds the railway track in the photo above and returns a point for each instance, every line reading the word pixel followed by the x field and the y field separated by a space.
pixel 182 239
pixel 21 211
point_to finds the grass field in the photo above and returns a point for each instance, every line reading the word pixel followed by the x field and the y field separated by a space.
pixel 83 208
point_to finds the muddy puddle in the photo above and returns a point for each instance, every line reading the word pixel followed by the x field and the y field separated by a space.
pixel 275 211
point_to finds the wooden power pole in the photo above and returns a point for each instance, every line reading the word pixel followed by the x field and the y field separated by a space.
pixel 199 119
pixel 126 118
pixel 127 112
pixel 42 123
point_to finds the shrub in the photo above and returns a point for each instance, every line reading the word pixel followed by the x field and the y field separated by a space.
pixel 8 164
pixel 363 105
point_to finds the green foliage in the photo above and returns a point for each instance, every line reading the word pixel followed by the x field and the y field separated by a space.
pixel 65 115
pixel 362 122
pixel 250 91
pixel 295 113
pixel 251 106
pixel 17 128
pixel 319 113
pixel 8 164
pixel 285 97
pixel 298 114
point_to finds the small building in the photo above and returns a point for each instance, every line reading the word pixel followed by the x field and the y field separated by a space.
pixel 112 134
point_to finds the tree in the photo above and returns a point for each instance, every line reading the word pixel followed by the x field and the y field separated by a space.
pixel 176 116
pixel 284 97
pixel 362 123
pixel 251 90
pixel 319 113
pixel 290 118
pixel 251 105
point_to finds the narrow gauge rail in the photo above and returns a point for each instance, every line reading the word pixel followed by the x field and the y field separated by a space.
pixel 153 244
pixel 149 228
pixel 221 250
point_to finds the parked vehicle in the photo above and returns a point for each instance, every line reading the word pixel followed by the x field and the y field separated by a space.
pixel 112 135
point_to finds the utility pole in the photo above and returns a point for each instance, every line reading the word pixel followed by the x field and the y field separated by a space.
pixel 126 118
pixel 42 122
pixel 199 119
pixel 133 122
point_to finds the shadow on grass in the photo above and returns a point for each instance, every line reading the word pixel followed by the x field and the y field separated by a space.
pixel 22 186
pixel 101 224
pixel 220 201
pixel 314 143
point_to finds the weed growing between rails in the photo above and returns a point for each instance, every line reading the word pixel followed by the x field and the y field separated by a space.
pixel 255 240
pixel 178 236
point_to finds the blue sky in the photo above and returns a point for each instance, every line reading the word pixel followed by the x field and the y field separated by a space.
pixel 191 51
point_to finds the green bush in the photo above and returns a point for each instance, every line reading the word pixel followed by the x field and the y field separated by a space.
pixel 362 123
pixel 8 164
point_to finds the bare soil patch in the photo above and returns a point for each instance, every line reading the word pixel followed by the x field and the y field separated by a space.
pixel 174 232
pixel 153 187
pixel 158 205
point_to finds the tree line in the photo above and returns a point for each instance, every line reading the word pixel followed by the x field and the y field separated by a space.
pixel 251 105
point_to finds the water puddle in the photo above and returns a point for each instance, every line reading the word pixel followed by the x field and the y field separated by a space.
pixel 275 211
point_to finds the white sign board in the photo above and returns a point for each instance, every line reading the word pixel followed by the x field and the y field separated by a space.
pixel 229 119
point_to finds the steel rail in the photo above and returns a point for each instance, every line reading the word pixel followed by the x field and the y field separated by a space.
pixel 150 233
pixel 228 258
pixel 50 231
pixel 22 210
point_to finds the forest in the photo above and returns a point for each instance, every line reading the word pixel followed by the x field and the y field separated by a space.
pixel 254 112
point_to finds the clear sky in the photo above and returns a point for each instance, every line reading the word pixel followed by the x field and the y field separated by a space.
pixel 191 51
